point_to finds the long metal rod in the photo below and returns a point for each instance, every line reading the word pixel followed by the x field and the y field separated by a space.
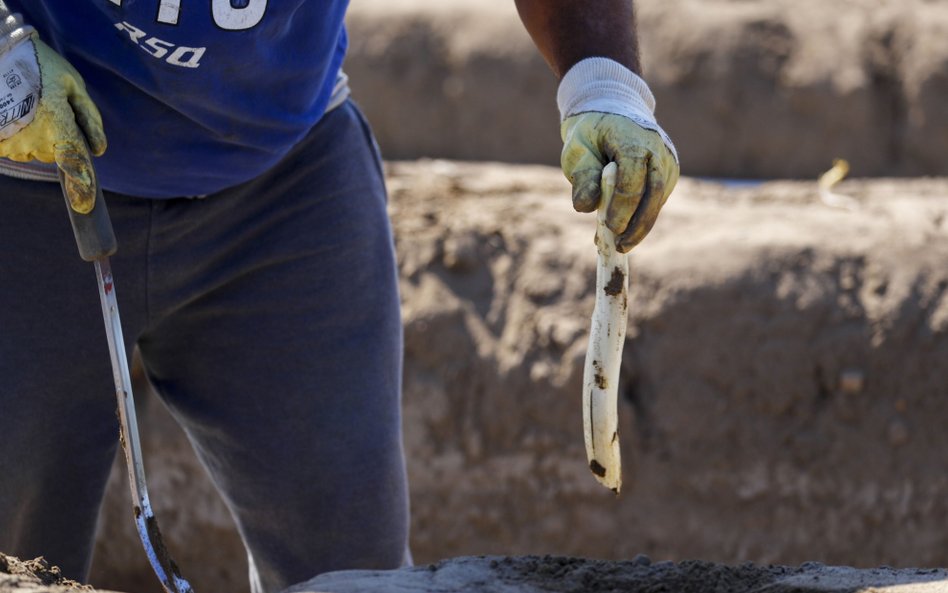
pixel 145 521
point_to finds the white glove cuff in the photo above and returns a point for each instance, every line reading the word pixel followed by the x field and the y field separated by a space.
pixel 606 86
pixel 12 29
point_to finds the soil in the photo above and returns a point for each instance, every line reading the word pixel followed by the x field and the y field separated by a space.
pixel 567 574
pixel 547 573
pixel 18 576
pixel 558 574
pixel 745 88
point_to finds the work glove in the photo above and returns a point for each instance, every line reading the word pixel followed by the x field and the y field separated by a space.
pixel 607 115
pixel 45 112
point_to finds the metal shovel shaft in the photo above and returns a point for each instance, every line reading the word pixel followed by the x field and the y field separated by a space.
pixel 145 520
pixel 95 239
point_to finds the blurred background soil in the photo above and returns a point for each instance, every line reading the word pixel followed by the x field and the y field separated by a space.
pixel 746 88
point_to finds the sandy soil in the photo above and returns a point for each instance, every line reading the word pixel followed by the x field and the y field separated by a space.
pixel 23 576
pixel 746 88
pixel 553 574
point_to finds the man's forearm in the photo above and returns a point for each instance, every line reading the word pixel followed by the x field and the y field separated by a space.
pixel 566 31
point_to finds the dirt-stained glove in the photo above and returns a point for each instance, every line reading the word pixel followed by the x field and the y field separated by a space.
pixel 607 115
pixel 45 112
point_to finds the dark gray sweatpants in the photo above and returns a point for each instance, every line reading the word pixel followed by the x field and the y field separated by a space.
pixel 267 316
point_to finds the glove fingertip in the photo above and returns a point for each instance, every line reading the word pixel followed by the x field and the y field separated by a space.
pixel 90 123
pixel 586 197
pixel 625 244
pixel 98 143
pixel 79 178
pixel 81 194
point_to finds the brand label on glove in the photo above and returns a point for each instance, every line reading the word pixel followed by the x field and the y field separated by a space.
pixel 20 85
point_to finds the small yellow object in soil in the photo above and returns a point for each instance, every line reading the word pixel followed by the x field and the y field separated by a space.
pixel 829 179
pixel 837 173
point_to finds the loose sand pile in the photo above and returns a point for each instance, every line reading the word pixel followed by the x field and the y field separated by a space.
pixel 36 575
pixel 551 574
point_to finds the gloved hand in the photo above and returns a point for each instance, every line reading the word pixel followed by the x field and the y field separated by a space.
pixel 607 116
pixel 47 114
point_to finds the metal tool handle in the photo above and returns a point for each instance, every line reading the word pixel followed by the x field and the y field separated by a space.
pixel 94 235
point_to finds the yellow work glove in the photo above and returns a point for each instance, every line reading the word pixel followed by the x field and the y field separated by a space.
pixel 47 115
pixel 608 117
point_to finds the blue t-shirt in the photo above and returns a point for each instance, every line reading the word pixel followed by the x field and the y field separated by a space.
pixel 196 95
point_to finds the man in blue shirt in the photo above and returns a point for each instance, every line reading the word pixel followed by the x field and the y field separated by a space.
pixel 256 259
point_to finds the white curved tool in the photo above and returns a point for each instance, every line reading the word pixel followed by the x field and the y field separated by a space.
pixel 604 353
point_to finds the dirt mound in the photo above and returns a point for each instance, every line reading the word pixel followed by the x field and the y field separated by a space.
pixel 551 574
pixel 749 89
pixel 783 383
pixel 34 576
